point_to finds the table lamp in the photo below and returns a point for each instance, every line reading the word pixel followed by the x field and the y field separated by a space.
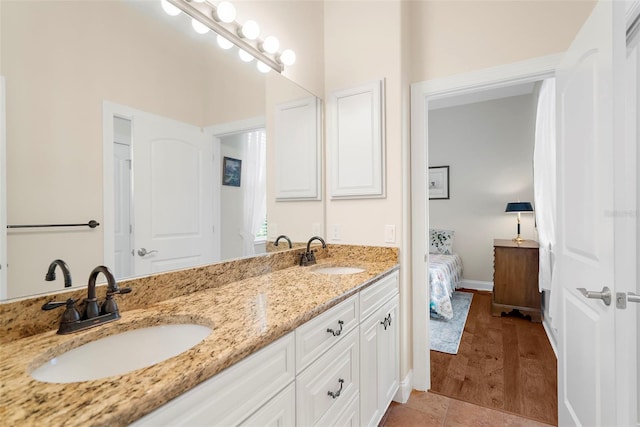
pixel 517 207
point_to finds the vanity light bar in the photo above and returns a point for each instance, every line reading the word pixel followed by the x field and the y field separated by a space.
pixel 204 13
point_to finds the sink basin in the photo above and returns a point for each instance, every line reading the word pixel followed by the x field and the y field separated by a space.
pixel 121 353
pixel 336 269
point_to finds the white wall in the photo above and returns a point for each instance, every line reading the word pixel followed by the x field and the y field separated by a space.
pixel 488 147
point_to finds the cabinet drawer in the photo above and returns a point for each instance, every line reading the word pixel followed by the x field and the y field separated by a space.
pixel 377 294
pixel 321 333
pixel 232 395
pixel 336 371
pixel 279 412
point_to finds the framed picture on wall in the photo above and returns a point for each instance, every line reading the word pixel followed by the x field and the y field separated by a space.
pixel 438 185
pixel 231 169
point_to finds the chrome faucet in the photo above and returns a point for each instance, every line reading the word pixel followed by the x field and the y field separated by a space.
pixel 282 236
pixel 93 315
pixel 51 272
pixel 309 257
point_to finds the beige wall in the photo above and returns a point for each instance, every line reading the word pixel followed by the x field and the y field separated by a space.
pixel 488 147
pixel 451 37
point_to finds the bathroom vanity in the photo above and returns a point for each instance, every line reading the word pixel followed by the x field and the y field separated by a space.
pixel 289 343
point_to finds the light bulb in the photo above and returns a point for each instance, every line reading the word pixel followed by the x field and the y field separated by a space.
pixel 271 44
pixel 169 8
pixel 262 67
pixel 226 12
pixel 251 30
pixel 244 55
pixel 224 43
pixel 288 57
pixel 199 27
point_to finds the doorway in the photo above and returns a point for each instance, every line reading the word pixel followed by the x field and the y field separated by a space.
pixel 486 140
pixel 421 94
pixel 243 220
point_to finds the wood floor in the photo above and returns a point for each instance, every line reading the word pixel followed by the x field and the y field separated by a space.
pixel 505 363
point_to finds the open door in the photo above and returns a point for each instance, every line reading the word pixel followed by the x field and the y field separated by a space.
pixel 173 181
pixel 590 110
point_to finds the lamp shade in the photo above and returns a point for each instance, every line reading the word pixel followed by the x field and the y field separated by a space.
pixel 519 207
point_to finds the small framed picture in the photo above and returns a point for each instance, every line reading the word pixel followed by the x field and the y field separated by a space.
pixel 231 169
pixel 438 185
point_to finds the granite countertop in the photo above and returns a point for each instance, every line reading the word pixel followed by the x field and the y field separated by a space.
pixel 245 315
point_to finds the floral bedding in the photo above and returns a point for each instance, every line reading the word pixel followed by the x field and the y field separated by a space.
pixel 445 273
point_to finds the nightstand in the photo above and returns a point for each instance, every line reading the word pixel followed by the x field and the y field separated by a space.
pixel 515 278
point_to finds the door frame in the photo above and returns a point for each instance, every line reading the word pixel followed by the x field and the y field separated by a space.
pixel 109 111
pixel 219 131
pixel 527 71
pixel 3 191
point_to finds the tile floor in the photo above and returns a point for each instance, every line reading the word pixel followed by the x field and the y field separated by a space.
pixel 426 409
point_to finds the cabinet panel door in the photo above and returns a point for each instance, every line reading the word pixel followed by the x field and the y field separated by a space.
pixel 298 149
pixel 232 395
pixel 279 412
pixel 379 362
pixel 370 337
pixel 328 385
pixel 388 354
pixel 356 141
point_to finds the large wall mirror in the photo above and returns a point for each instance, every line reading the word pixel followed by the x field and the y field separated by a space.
pixel 119 113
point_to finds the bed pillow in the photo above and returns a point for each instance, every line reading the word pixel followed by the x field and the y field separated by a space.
pixel 441 241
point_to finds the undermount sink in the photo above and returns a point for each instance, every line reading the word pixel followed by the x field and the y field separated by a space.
pixel 121 353
pixel 336 269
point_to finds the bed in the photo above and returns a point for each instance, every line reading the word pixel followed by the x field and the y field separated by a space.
pixel 445 272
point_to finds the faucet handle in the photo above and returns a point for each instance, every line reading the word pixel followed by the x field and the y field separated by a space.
pixel 70 315
pixel 121 291
pixel 55 304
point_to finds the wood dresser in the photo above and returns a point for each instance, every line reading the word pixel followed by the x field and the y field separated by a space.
pixel 515 278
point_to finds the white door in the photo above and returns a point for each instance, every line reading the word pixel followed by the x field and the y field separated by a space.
pixel 589 110
pixel 628 337
pixel 173 192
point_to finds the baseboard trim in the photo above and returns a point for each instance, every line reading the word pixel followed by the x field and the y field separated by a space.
pixel 477 285
pixel 404 390
pixel 550 335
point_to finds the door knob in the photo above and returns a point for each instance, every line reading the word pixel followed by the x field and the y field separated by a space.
pixel 605 295
pixel 143 251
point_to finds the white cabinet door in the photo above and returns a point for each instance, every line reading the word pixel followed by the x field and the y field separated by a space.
pixel 233 395
pixel 356 141
pixel 329 384
pixel 279 412
pixel 298 150
pixel 379 362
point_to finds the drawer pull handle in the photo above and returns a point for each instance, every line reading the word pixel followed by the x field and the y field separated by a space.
pixel 387 321
pixel 339 331
pixel 337 393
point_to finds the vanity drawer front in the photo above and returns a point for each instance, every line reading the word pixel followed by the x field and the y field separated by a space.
pixel 315 406
pixel 234 394
pixel 377 294
pixel 313 338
